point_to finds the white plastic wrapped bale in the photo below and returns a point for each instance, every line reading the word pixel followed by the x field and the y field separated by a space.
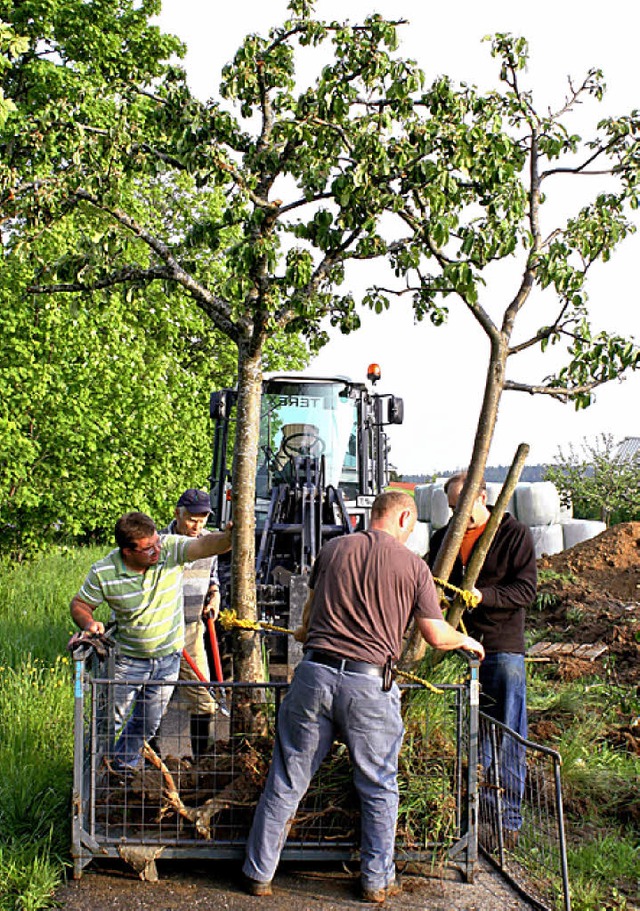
pixel 548 539
pixel 418 540
pixel 422 494
pixel 493 492
pixel 577 530
pixel 538 503
pixel 440 512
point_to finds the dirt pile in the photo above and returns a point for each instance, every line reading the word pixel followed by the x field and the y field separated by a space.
pixel 591 593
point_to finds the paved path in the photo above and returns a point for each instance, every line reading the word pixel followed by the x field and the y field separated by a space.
pixel 215 888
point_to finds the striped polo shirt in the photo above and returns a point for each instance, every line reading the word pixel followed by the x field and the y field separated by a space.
pixel 147 607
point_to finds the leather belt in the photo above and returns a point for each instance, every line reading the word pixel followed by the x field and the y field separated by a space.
pixel 344 664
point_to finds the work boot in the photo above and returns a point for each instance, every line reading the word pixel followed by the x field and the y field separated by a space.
pixel 200 725
pixel 378 896
pixel 253 887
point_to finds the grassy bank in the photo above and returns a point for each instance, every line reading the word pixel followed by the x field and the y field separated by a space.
pixel 601 774
pixel 36 732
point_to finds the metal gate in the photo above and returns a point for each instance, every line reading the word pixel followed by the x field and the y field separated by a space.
pixel 175 806
pixel 532 857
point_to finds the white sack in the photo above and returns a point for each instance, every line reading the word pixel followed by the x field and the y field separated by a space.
pixel 422 494
pixel 418 540
pixel 578 530
pixel 440 512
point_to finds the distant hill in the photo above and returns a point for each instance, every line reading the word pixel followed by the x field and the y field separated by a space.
pixel 493 473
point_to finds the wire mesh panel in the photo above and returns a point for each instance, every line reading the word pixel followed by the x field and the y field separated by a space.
pixel 177 799
pixel 521 825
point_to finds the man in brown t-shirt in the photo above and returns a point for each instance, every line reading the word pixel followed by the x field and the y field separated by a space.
pixel 364 589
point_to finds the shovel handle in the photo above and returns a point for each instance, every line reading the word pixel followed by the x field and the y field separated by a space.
pixel 194 667
pixel 215 649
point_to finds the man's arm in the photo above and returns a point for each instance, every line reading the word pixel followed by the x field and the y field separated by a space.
pixel 218 542
pixel 441 635
pixel 212 602
pixel 300 634
pixel 82 614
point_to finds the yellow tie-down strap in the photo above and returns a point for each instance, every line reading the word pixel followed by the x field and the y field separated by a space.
pixel 229 619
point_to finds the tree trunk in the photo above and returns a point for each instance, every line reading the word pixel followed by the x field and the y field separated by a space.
pixel 416 646
pixel 247 660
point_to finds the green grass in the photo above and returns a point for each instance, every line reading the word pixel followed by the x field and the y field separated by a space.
pixel 36 730
pixel 600 783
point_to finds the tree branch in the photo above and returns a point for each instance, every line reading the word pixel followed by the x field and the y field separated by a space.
pixel 217 309
pixel 562 393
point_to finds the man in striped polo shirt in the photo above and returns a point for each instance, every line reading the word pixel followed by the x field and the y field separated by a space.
pixel 141 582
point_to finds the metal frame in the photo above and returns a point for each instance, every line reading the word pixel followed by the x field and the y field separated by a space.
pixel 114 816
pixel 534 862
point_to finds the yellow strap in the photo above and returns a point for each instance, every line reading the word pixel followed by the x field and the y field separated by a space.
pixel 468 597
pixel 229 618
pixel 416 679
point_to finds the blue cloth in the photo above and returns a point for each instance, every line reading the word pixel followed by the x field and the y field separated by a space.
pixel 321 703
pixel 139 703
pixel 504 697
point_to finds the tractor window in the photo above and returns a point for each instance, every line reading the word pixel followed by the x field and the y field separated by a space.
pixel 299 419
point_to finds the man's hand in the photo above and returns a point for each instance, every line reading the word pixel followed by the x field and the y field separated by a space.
pixel 95 628
pixel 472 645
pixel 212 604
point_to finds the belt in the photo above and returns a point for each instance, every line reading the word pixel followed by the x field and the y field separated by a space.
pixel 344 664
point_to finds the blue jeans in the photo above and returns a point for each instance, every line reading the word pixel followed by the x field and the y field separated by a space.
pixel 139 704
pixel 322 702
pixel 504 697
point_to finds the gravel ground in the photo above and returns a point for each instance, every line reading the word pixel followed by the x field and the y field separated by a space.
pixel 181 887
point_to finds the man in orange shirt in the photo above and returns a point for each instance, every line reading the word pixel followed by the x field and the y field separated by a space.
pixel 506 587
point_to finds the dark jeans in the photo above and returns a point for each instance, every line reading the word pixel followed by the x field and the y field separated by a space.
pixel 504 697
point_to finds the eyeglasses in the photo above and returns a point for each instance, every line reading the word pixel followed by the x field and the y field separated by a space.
pixel 150 550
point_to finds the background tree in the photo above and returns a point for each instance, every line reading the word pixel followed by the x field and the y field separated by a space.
pixel 479 170
pixel 103 401
pixel 598 481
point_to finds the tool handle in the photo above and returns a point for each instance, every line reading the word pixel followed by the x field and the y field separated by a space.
pixel 215 649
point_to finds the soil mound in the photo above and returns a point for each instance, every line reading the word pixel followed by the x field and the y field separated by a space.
pixel 608 565
pixel 591 593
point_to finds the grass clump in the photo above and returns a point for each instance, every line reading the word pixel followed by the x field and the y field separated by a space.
pixel 601 786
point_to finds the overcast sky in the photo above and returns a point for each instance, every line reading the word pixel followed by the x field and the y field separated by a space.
pixel 440 372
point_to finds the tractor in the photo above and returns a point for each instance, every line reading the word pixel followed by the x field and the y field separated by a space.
pixel 323 458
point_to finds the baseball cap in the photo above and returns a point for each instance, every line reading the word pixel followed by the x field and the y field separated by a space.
pixel 195 501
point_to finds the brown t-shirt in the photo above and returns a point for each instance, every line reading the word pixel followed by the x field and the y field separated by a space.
pixel 366 586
